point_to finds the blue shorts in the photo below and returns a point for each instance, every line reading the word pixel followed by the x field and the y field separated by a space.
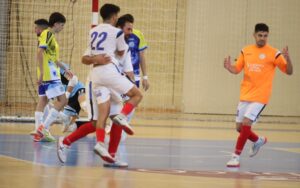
pixel 51 89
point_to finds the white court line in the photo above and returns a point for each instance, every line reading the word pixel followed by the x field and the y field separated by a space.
pixel 22 160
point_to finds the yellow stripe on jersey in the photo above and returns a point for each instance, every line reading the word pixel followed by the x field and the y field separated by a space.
pixel 48 42
pixel 143 43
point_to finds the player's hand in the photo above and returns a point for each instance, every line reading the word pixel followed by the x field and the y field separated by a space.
pixel 101 59
pixel 145 84
pixel 40 79
pixel 227 62
pixel 285 53
pixel 68 74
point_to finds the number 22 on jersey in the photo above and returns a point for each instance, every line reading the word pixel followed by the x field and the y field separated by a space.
pixel 97 40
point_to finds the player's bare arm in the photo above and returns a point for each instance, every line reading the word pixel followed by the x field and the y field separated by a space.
pixel 229 66
pixel 96 60
pixel 289 65
pixel 145 81
pixel 40 59
pixel 68 72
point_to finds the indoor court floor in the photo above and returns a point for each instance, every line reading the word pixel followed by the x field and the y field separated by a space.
pixel 188 151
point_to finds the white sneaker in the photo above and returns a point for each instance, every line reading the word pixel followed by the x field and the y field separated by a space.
pixel 234 161
pixel 122 120
pixel 256 146
pixel 116 164
pixel 100 150
pixel 61 150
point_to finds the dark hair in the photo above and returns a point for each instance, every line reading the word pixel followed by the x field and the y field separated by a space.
pixel 41 22
pixel 56 17
pixel 123 19
pixel 108 10
pixel 261 27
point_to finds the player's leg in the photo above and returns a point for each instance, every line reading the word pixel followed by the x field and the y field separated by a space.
pixel 102 95
pixel 84 127
pixel 38 115
pixel 113 80
pixel 248 112
pixel 55 89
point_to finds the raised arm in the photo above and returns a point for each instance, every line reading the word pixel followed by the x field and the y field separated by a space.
pixel 289 65
pixel 229 66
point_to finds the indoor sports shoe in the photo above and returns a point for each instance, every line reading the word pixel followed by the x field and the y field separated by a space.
pixel 32 133
pixel 45 134
pixel 234 161
pixel 37 138
pixel 122 120
pixel 116 164
pixel 100 150
pixel 61 150
pixel 256 146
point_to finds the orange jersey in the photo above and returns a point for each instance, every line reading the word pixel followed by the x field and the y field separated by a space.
pixel 259 68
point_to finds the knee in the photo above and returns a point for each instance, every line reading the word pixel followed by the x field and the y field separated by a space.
pixel 247 122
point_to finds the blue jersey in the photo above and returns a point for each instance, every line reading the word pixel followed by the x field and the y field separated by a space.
pixel 136 43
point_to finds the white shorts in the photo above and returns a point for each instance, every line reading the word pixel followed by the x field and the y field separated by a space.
pixel 250 110
pixel 109 76
pixel 101 95
pixel 51 89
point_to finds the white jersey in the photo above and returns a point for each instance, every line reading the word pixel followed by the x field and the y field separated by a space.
pixel 106 39
pixel 125 64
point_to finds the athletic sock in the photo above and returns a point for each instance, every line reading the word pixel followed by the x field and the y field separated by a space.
pixel 253 137
pixel 241 141
pixel 127 108
pixel 38 117
pixel 81 132
pixel 53 114
pixel 100 135
pixel 115 137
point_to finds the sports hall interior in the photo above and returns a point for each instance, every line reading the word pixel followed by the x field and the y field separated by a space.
pixel 185 125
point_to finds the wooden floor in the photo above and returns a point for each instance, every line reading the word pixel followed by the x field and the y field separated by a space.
pixel 171 151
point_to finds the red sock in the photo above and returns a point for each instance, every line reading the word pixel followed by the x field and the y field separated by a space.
pixel 241 141
pixel 253 137
pixel 115 137
pixel 127 108
pixel 100 134
pixel 81 132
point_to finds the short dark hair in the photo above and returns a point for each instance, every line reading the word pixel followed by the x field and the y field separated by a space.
pixel 41 23
pixel 56 17
pixel 108 10
pixel 123 19
pixel 261 27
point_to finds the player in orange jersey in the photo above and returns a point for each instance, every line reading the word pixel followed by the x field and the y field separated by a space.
pixel 259 62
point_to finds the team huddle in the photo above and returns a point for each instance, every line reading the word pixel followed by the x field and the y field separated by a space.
pixel 116 58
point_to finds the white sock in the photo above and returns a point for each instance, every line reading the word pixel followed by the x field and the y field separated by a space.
pixel 38 117
pixel 63 116
pixel 53 114
pixel 46 111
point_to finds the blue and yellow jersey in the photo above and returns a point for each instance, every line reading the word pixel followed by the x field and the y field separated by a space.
pixel 48 42
pixel 136 43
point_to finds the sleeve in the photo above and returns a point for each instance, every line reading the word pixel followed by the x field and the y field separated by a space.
pixel 143 44
pixel 121 44
pixel 43 40
pixel 88 51
pixel 127 67
pixel 239 65
pixel 280 61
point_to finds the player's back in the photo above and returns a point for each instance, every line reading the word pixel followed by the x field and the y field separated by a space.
pixel 105 39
